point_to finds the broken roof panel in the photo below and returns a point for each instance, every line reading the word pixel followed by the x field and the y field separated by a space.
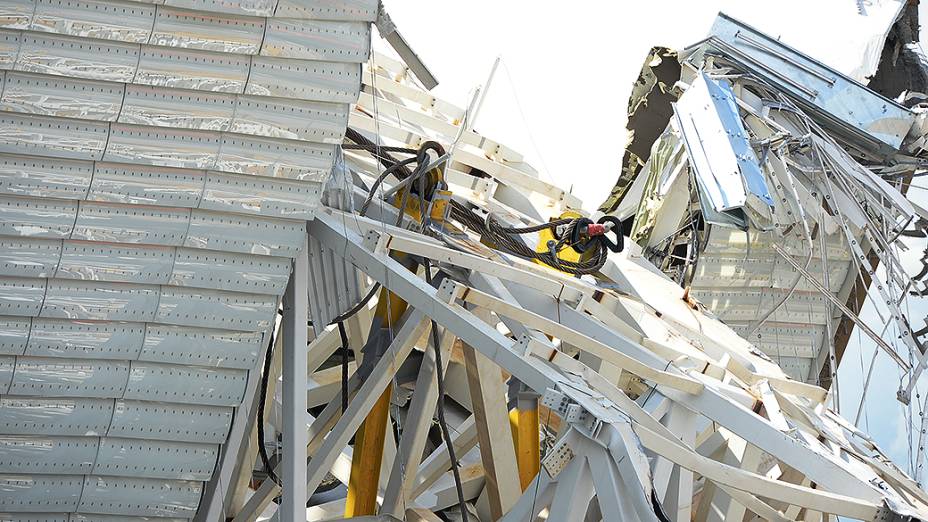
pixel 824 91
pixel 723 161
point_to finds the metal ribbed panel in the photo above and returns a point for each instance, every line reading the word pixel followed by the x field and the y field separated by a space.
pixel 158 161
pixel 144 458
pixel 161 421
pixel 14 332
pixel 85 339
pixel 140 496
pixel 58 416
pixel 25 454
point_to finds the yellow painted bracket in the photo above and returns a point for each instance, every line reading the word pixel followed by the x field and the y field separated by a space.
pixel 546 235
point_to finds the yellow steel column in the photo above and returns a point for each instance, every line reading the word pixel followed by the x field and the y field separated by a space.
pixel 527 443
pixel 366 459
pixel 363 484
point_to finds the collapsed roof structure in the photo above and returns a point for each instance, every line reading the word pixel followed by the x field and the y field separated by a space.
pixel 218 226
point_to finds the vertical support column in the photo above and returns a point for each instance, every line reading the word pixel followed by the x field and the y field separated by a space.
pixel 293 328
pixel 527 443
pixel 367 458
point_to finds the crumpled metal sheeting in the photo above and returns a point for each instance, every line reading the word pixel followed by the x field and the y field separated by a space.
pixel 855 111
pixel 649 111
pixel 158 163
pixel 725 165
pixel 806 184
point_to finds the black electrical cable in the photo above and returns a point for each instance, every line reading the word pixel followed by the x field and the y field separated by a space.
pixel 375 150
pixel 382 148
pixel 262 450
pixel 344 338
pixel 442 424
pixel 503 238
pixel 421 190
pixel 373 190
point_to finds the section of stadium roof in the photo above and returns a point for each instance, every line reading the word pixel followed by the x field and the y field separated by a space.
pixel 158 163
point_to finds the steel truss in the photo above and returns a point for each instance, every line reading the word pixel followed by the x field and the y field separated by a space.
pixel 732 429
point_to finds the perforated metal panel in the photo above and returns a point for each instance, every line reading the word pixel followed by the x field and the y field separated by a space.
pixel 202 347
pixel 21 296
pixel 361 10
pixel 227 271
pixel 251 7
pixel 250 235
pixel 56 377
pixel 44 177
pixel 290 119
pixel 85 339
pixel 130 224
pixel 41 493
pixel 64 97
pixel 258 195
pixel 144 458
pixel 33 517
pixel 304 80
pixel 186 384
pixel 163 107
pixel 58 416
pixel 14 332
pixel 225 33
pixel 139 496
pixel 317 40
pixel 95 19
pixel 34 454
pixel 192 69
pixel 29 257
pixel 273 157
pixel 77 57
pixel 56 137
pixel 27 217
pixel 100 301
pixel 7 367
pixel 165 147
pixel 9 48
pixel 183 422
pixel 215 308
pixel 16 14
pixel 158 161
pixel 146 185
pixel 108 262
pixel 95 517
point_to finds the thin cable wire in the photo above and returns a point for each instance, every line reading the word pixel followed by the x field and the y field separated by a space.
pixel 528 130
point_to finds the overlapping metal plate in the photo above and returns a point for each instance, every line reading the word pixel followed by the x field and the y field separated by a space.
pixel 158 161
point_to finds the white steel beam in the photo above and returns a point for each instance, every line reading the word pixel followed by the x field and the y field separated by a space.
pixel 293 329
pixel 418 421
